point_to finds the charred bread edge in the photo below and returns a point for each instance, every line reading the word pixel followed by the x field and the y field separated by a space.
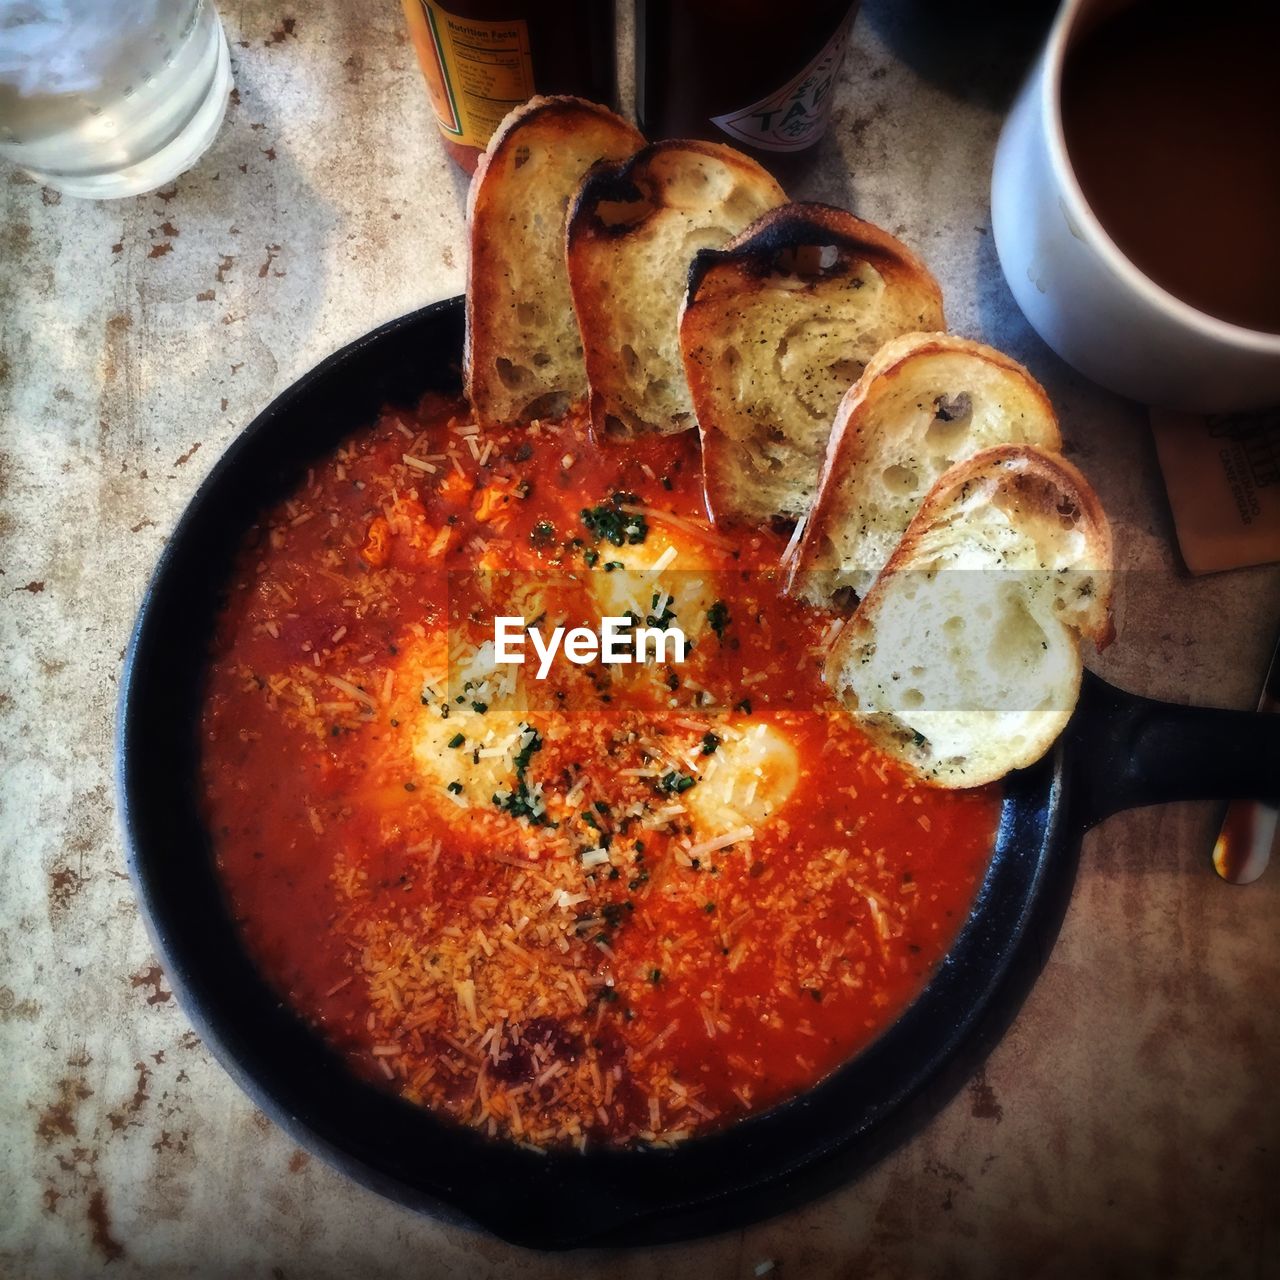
pixel 806 223
pixel 622 182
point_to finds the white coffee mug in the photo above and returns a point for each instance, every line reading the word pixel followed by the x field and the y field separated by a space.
pixel 1082 295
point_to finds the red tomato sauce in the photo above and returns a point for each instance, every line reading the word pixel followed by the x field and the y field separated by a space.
pixel 625 903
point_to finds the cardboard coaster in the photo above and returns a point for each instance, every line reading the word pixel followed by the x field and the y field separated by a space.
pixel 1222 473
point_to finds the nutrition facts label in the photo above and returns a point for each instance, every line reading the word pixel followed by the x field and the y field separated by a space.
pixel 476 71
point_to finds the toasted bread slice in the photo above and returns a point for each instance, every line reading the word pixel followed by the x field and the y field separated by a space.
pixel 633 232
pixel 776 326
pixel 964 659
pixel 523 356
pixel 924 402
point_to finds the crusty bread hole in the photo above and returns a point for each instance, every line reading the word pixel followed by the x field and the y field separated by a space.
pixel 1020 638
pixel 806 261
pixel 953 408
pixel 900 480
pixel 766 462
pixel 689 183
pixel 515 377
pixel 943 434
pixel 555 404
pixel 624 213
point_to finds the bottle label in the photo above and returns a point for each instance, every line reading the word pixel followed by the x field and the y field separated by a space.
pixel 795 116
pixel 476 71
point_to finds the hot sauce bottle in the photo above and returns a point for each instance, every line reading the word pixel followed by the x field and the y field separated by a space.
pixel 754 74
pixel 481 58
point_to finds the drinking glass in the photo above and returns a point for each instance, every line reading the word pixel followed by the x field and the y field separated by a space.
pixel 106 98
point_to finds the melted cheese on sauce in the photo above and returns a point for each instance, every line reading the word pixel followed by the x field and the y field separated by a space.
pixel 494 734
pixel 681 583
pixel 749 778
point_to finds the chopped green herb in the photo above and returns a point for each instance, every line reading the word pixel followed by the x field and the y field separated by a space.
pixel 655 976
pixel 709 743
pixel 522 801
pixel 611 565
pixel 455 787
pixel 609 522
pixel 675 783
pixel 744 706
pixel 668 614
pixel 591 557
pixel 542 534
pixel 457 740
pixel 480 707
pixel 718 617
pixel 525 754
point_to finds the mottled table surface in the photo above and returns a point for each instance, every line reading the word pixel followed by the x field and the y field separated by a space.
pixel 1129 1123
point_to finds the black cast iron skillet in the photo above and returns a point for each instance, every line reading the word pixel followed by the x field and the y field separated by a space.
pixel 1119 751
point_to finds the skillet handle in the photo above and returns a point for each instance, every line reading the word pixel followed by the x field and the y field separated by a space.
pixel 1126 751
